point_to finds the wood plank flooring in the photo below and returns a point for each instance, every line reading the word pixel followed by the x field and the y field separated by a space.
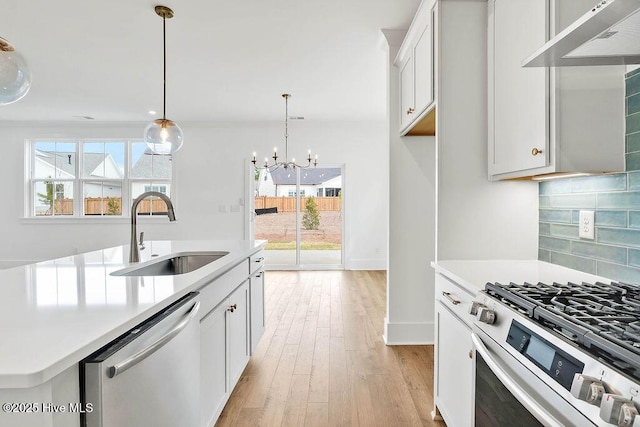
pixel 322 361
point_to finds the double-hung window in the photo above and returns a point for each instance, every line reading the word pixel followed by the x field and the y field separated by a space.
pixel 95 178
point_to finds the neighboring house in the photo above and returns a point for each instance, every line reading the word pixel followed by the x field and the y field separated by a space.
pixel 59 165
pixel 151 167
pixel 317 182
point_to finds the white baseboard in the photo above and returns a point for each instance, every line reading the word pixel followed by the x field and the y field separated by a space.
pixel 408 333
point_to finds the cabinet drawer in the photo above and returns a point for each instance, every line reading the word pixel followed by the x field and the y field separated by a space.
pixel 256 262
pixel 454 297
pixel 214 292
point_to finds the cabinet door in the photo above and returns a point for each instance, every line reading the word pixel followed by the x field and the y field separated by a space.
pixel 256 291
pixel 407 106
pixel 454 393
pixel 518 97
pixel 423 63
pixel 238 331
pixel 213 364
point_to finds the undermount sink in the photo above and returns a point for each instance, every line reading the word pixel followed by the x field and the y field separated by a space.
pixel 180 263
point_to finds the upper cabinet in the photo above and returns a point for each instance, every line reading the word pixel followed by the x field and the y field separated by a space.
pixel 548 120
pixel 415 65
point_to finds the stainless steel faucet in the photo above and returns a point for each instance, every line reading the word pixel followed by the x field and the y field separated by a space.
pixel 134 252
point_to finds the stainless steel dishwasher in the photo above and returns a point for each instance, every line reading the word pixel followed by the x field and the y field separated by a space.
pixel 148 376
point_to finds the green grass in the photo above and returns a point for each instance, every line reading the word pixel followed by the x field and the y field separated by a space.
pixel 305 246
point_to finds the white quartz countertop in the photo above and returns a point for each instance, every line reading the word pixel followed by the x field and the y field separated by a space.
pixel 55 313
pixel 474 274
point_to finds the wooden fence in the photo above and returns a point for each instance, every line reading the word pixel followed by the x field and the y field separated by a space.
pixel 288 204
pixel 105 206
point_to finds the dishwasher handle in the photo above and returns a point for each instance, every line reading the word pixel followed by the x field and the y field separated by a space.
pixel 119 368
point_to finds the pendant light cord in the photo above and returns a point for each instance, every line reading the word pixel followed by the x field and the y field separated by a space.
pixel 164 75
pixel 286 128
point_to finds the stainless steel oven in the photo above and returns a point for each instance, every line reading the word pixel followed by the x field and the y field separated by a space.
pixel 539 359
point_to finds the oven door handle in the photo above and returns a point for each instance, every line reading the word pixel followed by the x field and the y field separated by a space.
pixel 536 410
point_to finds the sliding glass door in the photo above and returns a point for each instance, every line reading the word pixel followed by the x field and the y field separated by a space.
pixel 300 212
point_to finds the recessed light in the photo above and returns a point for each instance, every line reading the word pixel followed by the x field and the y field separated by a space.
pixel 84 117
pixel 152 112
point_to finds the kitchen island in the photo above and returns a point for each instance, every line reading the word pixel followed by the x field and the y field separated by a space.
pixel 55 313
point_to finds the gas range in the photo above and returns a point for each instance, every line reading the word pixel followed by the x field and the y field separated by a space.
pixel 582 340
pixel 603 319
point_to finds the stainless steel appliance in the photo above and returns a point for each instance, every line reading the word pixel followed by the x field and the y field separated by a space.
pixel 557 354
pixel 149 376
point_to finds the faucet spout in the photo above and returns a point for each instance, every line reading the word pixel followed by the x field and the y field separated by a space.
pixel 134 251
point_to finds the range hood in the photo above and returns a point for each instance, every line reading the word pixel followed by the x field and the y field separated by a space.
pixel 608 34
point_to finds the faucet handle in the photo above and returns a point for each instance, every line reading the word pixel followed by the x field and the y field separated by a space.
pixel 141 244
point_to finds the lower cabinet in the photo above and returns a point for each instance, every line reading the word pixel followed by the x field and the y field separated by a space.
pixel 224 352
pixel 454 397
pixel 238 338
pixel 213 369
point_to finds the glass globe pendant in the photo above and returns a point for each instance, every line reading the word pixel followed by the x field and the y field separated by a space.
pixel 15 76
pixel 163 136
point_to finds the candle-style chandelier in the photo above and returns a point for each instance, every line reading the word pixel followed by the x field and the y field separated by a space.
pixel 286 164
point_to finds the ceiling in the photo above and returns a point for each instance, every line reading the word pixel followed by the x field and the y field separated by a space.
pixel 226 61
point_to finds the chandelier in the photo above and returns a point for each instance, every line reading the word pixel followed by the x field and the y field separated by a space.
pixel 286 164
pixel 163 136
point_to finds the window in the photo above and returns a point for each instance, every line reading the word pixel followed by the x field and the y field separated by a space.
pixel 95 178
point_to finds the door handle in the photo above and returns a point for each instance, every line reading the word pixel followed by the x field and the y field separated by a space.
pixel 119 368
pixel 448 296
pixel 534 407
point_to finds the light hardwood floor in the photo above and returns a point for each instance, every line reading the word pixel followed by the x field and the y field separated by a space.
pixel 322 361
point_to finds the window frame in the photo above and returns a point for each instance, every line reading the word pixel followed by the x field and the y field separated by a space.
pixel 79 180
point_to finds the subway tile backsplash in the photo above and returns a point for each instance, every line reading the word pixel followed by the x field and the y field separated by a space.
pixel 615 198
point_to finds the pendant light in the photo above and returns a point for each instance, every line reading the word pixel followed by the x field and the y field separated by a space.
pixel 15 76
pixel 286 164
pixel 163 136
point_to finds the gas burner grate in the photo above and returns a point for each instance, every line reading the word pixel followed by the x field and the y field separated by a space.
pixel 603 319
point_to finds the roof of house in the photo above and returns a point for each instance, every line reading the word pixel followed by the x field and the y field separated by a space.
pixel 152 166
pixel 315 176
pixel 147 166
pixel 67 161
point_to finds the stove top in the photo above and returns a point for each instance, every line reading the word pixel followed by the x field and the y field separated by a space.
pixel 603 319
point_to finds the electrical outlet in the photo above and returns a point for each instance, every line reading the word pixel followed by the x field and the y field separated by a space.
pixel 587 225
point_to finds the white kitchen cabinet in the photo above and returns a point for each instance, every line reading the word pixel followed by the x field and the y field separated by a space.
pixel 224 352
pixel 545 120
pixel 454 397
pixel 256 294
pixel 214 389
pixel 415 62
pixel 238 339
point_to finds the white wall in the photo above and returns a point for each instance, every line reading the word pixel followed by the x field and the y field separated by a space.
pixel 411 223
pixel 210 172
pixel 477 219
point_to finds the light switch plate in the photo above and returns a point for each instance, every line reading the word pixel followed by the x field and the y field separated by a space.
pixel 586 225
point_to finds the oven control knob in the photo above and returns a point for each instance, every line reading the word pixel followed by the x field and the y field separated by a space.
pixel 486 315
pixel 473 309
pixel 628 416
pixel 617 410
pixel 587 388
